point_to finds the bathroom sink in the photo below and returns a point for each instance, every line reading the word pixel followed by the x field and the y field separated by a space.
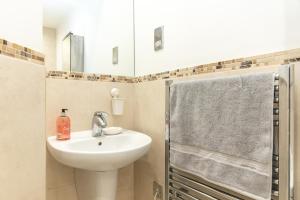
pixel 97 159
pixel 105 153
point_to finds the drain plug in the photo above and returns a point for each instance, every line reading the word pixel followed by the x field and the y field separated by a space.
pixel 100 143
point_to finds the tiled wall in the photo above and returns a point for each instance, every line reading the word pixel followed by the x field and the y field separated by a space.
pixel 17 51
pixel 297 129
pixel 83 98
pixel 283 57
pixel 144 111
pixel 22 130
pixel 150 118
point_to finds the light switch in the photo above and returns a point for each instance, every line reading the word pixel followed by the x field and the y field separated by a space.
pixel 159 38
pixel 115 58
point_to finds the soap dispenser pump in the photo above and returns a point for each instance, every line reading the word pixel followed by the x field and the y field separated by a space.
pixel 117 102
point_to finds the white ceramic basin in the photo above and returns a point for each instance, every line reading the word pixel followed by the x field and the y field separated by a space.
pixel 98 159
pixel 106 153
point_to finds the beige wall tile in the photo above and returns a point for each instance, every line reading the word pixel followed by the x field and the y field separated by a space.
pixel 66 193
pixel 22 130
pixel 144 175
pixel 297 129
pixel 124 194
pixel 83 98
pixel 125 189
pixel 149 118
pixel 125 178
pixel 51 194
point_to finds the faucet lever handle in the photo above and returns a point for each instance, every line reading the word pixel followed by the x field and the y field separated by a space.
pixel 101 114
pixel 98 123
pixel 103 117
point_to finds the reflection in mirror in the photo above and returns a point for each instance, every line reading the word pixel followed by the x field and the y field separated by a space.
pixel 73 53
pixel 92 36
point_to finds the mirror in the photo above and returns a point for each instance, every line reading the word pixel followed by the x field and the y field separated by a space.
pixel 92 36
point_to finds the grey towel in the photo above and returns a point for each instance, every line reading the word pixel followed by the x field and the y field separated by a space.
pixel 221 129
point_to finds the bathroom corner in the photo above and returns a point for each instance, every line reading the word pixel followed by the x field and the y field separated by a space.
pixel 150 118
pixel 78 55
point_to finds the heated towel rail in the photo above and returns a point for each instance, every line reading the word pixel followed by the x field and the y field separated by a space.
pixel 181 185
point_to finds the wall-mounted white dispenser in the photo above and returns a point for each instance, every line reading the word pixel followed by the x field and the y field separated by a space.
pixel 117 102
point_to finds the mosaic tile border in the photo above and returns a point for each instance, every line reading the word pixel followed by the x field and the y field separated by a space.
pixel 277 58
pixel 17 51
pixel 88 76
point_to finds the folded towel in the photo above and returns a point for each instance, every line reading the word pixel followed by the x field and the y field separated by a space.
pixel 221 129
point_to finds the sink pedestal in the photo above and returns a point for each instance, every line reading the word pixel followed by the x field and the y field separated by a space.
pixel 96 185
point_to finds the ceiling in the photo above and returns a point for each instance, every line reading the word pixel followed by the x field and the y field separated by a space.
pixel 54 11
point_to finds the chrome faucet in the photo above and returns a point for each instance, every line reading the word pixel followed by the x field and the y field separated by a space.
pixel 99 122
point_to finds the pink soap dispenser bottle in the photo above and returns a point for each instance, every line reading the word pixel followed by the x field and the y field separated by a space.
pixel 63 126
